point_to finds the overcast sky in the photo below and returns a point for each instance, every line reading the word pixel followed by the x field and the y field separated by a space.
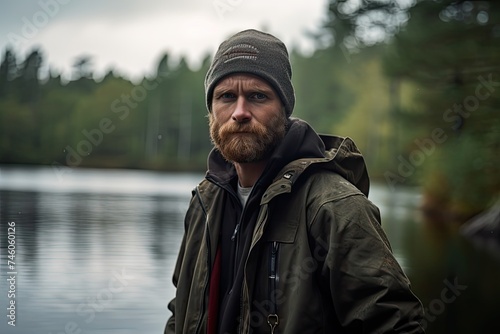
pixel 131 35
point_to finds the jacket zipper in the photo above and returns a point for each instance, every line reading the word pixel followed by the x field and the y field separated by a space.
pixel 272 318
pixel 198 326
pixel 235 238
pixel 240 327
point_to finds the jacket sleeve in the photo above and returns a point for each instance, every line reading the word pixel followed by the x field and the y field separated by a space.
pixel 170 326
pixel 369 290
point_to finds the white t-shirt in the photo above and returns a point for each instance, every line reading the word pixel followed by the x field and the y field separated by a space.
pixel 243 194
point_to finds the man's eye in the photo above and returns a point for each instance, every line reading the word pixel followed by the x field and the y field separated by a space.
pixel 227 96
pixel 224 96
pixel 259 96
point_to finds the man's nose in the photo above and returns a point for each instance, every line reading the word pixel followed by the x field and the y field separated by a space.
pixel 241 113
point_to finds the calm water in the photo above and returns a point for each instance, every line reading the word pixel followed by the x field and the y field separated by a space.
pixel 95 251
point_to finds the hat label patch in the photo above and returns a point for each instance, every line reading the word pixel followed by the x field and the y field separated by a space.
pixel 240 51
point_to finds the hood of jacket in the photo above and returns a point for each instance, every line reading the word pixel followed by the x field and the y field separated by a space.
pixel 302 144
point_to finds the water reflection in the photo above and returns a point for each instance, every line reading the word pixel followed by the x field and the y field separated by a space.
pixel 99 261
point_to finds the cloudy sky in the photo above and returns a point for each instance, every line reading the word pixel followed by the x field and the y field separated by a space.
pixel 131 35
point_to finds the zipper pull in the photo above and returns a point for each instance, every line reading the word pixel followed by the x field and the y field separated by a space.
pixel 272 318
pixel 235 232
pixel 273 321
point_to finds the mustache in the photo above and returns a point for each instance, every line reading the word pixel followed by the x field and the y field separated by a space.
pixel 239 128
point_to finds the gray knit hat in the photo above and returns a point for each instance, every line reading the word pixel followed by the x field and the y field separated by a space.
pixel 254 52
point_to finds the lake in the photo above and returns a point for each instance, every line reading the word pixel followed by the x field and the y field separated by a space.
pixel 95 251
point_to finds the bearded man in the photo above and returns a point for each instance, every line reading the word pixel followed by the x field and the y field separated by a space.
pixel 280 236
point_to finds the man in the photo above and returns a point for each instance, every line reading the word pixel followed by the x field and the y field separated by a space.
pixel 280 236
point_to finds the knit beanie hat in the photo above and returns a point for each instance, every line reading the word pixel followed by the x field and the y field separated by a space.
pixel 254 52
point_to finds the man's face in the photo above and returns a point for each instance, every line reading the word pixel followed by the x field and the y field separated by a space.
pixel 247 120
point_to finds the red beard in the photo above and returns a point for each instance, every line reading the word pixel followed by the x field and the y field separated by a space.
pixel 245 142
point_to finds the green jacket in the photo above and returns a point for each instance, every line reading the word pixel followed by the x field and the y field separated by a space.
pixel 319 261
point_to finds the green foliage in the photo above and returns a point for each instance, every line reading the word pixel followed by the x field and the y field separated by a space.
pixel 450 51
pixel 367 115
pixel 322 97
pixel 356 24
pixel 15 127
pixel 158 123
